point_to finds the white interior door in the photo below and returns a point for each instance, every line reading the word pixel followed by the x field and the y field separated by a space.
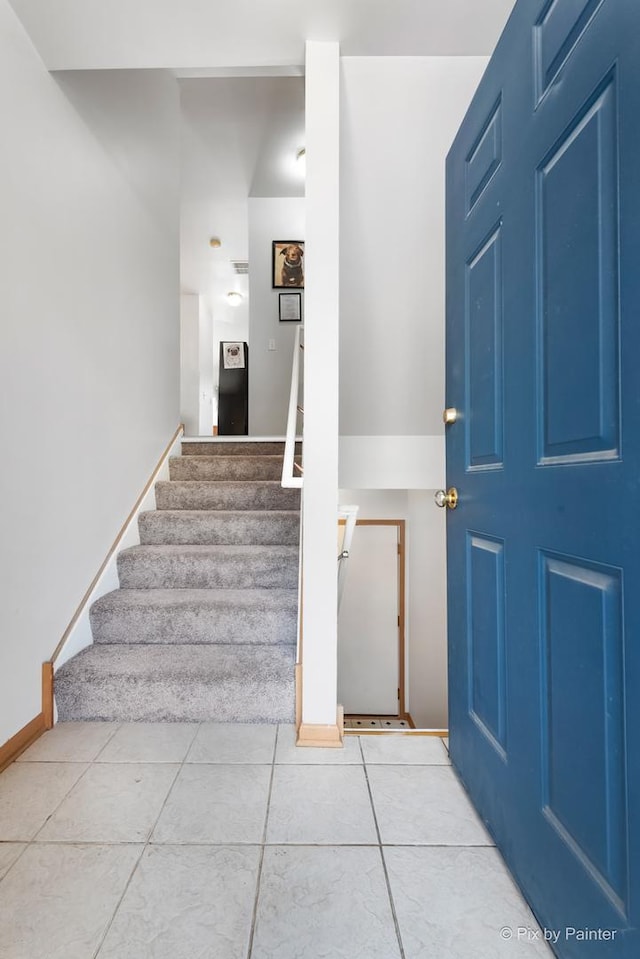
pixel 368 632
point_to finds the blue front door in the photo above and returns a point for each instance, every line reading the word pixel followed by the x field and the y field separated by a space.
pixel 543 358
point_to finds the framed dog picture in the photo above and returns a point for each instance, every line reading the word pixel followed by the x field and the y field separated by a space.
pixel 233 356
pixel 288 265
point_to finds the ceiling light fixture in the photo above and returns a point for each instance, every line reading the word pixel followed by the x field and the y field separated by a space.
pixel 234 298
pixel 215 243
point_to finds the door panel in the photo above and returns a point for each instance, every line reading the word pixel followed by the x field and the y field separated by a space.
pixel 485 632
pixel 483 335
pixel 543 339
pixel 577 256
pixel 584 600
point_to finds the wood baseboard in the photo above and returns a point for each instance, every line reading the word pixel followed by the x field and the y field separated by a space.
pixel 15 746
pixel 318 735
pixel 47 694
pixel 298 681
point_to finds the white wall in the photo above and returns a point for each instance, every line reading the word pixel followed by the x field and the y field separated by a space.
pixel 206 363
pixel 427 592
pixel 273 218
pixel 198 368
pixel 89 314
pixel 190 363
pixel 399 117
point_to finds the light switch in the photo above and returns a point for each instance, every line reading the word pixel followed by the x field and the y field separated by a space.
pixel 272 344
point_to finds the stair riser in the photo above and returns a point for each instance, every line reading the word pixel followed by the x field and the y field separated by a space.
pixel 217 496
pixel 180 626
pixel 217 448
pixel 203 572
pixel 210 468
pixel 213 529
pixel 169 700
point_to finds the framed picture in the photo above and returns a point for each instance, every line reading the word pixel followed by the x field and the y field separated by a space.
pixel 233 356
pixel 288 264
pixel 290 307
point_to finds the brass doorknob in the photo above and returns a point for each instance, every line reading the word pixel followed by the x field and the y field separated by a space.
pixel 448 498
pixel 450 415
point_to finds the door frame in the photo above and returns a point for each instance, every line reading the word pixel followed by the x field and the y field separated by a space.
pixel 401 525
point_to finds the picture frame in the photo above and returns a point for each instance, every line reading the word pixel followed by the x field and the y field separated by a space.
pixel 290 307
pixel 287 264
pixel 233 356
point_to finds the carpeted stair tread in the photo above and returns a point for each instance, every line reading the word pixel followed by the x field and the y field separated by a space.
pixel 250 684
pixel 235 448
pixel 220 527
pixel 208 567
pixel 249 495
pixel 227 468
pixel 204 625
pixel 192 616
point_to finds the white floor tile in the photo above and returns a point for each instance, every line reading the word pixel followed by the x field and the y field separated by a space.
pixel 457 902
pixel 9 852
pixel 30 792
pixel 149 743
pixel 320 804
pixel 404 750
pixel 70 743
pixel 424 805
pixel 57 900
pixel 218 804
pixel 185 902
pixel 323 903
pixel 288 752
pixel 112 803
pixel 233 743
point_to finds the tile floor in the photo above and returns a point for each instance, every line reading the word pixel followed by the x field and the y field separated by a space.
pixel 228 842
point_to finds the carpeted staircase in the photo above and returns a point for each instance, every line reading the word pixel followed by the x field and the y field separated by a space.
pixel 203 626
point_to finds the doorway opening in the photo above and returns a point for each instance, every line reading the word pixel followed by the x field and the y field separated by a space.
pixel 242 190
pixel 371 628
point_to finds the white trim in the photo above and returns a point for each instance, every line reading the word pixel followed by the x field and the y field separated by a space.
pixel 80 635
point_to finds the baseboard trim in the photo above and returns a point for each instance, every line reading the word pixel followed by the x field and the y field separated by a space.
pixel 318 735
pixel 47 695
pixel 298 682
pixel 15 746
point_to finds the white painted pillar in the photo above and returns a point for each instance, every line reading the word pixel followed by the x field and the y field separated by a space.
pixel 320 604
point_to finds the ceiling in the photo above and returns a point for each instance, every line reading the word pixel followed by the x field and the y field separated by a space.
pixel 239 139
pixel 92 34
pixel 239 64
